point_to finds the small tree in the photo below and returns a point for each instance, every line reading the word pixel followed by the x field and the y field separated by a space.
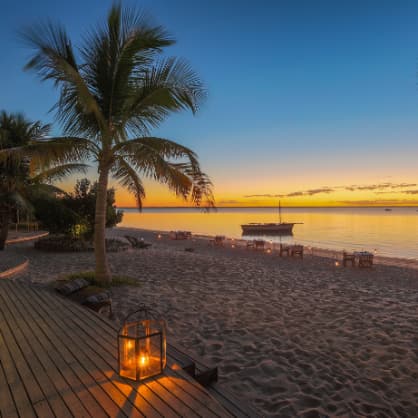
pixel 83 202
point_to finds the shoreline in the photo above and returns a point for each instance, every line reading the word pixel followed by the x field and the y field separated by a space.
pixel 311 250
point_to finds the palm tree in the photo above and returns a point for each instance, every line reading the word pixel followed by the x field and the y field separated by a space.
pixel 20 175
pixel 110 97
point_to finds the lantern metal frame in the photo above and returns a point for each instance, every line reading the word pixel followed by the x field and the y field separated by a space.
pixel 148 315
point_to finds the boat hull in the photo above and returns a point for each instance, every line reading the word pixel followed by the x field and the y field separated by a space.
pixel 283 228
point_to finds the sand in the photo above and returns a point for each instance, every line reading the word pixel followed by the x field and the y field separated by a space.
pixel 293 337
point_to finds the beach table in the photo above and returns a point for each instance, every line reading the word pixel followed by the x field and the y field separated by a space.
pixel 58 359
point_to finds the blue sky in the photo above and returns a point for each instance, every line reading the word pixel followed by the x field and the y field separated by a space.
pixel 301 94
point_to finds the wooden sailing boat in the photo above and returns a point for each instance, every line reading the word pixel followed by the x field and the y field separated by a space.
pixel 280 228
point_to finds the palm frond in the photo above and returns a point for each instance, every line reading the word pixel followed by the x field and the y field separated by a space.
pixel 60 150
pixel 58 173
pixel 168 86
pixel 54 59
pixel 116 55
pixel 129 179
pixel 154 157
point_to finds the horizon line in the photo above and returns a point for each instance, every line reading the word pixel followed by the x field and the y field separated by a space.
pixel 269 207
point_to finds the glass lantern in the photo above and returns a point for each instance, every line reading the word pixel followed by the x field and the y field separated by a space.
pixel 142 346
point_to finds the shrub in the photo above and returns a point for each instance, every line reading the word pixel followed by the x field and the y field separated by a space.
pixel 63 243
pixel 83 202
pixel 66 243
pixel 54 215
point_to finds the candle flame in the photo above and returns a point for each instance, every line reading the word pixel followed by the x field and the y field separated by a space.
pixel 143 360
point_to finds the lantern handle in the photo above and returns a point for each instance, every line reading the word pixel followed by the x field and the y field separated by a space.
pixel 141 308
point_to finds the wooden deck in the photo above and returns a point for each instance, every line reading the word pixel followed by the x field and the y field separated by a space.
pixel 58 359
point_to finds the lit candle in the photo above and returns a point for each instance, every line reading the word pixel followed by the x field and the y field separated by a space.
pixel 143 360
pixel 337 263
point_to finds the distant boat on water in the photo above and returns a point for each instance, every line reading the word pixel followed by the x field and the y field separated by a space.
pixel 388 210
pixel 280 228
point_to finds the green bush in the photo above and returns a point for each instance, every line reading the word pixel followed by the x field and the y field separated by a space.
pixel 55 216
pixel 67 243
pixel 83 202
pixel 73 214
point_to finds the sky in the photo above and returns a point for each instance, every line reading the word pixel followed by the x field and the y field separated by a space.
pixel 312 103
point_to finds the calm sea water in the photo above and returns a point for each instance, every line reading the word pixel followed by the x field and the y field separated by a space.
pixel 391 233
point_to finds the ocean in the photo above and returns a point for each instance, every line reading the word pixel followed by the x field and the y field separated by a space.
pixel 391 233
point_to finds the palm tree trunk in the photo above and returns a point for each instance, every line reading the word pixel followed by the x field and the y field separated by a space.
pixel 4 227
pixel 102 267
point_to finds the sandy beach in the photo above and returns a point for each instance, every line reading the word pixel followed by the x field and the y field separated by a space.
pixel 294 337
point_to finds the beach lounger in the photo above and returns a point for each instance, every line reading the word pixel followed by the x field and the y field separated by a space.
pixel 137 243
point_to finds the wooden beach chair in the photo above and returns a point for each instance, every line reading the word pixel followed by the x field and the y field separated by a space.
pixel 259 244
pixel 349 258
pixel 219 240
pixel 296 250
pixel 249 245
pixel 284 249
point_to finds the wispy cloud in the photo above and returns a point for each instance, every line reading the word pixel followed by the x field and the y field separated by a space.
pixel 378 188
pixel 229 202
pixel 325 189
pixel 264 195
pixel 310 192
pixel 382 202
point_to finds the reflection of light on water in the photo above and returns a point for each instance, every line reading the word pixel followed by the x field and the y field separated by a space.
pixel 391 234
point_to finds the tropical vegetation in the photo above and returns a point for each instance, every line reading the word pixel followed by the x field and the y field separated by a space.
pixel 23 178
pixel 72 214
pixel 113 90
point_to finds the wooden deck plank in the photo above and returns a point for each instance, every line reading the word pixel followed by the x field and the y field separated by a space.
pixel 78 399
pixel 191 392
pixel 7 404
pixel 160 390
pixel 74 351
pixel 53 385
pixel 194 395
pixel 27 365
pixel 95 340
pixel 23 402
pixel 74 374
pixel 104 392
pixel 131 401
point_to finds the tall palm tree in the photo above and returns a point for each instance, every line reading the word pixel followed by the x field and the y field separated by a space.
pixel 111 95
pixel 20 175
